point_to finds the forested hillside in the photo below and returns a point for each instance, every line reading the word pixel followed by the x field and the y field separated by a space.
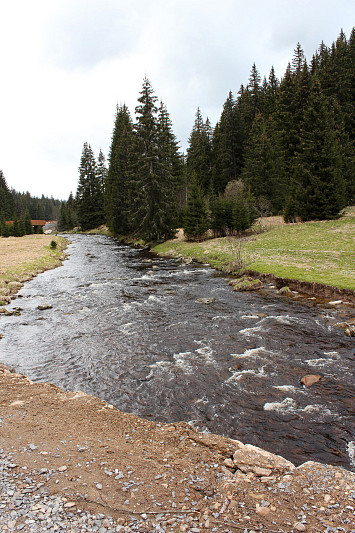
pixel 280 147
pixel 21 208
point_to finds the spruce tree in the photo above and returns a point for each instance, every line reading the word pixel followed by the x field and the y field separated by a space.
pixel 199 152
pixel 28 228
pixel 219 216
pixel 240 207
pixel 16 229
pixel 119 207
pixel 227 146
pixel 255 90
pixel 101 172
pixel 63 218
pixel 270 93
pixel 264 164
pixel 196 220
pixel 89 195
pixel 298 60
pixel 7 204
pixel 319 188
pixel 251 101
pixel 172 166
pixel 2 223
pixel 155 184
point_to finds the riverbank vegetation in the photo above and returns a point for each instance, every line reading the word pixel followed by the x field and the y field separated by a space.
pixel 284 147
pixel 317 252
pixel 22 259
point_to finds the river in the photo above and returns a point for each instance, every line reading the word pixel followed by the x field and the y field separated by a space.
pixel 128 327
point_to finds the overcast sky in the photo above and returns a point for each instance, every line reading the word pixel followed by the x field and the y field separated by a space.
pixel 66 64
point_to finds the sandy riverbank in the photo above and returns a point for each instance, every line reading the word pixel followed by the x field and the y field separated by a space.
pixel 99 460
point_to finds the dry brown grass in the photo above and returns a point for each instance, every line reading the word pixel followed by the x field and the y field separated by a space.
pixel 22 258
pixel 17 250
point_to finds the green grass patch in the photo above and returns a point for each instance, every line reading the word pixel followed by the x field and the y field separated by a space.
pixel 321 252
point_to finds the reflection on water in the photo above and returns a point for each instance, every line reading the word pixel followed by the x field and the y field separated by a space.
pixel 128 327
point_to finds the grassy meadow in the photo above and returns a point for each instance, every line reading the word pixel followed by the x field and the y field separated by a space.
pixel 321 251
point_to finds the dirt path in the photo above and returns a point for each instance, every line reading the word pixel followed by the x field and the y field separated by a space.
pixel 164 477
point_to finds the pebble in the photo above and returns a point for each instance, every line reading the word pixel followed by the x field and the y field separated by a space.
pixel 298 526
pixel 24 508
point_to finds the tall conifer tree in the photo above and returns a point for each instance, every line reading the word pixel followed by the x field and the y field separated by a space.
pixel 199 152
pixel 7 203
pixel 119 182
pixel 319 189
pixel 227 146
pixel 155 185
pixel 89 194
pixel 264 164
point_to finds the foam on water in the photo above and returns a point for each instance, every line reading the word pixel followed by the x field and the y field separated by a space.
pixel 251 352
pixel 288 405
pixel 183 360
pixel 155 299
pixel 145 277
pixel 286 388
pixel 287 319
pixel 239 375
pixel 331 357
pixel 202 400
pixel 247 317
pixel 126 329
pixel 318 409
pixel 100 284
pixel 252 332
pixel 318 362
pixel 206 351
pixel 174 325
pixel 159 366
pixel 350 448
pixel 127 306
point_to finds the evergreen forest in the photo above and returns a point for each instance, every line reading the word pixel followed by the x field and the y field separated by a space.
pixel 280 147
pixel 21 208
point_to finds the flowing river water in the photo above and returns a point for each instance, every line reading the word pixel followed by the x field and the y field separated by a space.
pixel 128 327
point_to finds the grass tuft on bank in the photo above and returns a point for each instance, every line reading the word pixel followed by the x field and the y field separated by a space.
pixel 321 252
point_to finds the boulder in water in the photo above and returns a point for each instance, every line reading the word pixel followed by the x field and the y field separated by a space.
pixel 44 307
pixel 350 331
pixel 285 290
pixel 205 300
pixel 310 379
pixel 246 284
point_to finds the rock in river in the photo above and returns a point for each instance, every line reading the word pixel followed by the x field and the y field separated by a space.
pixel 205 300
pixel 310 379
